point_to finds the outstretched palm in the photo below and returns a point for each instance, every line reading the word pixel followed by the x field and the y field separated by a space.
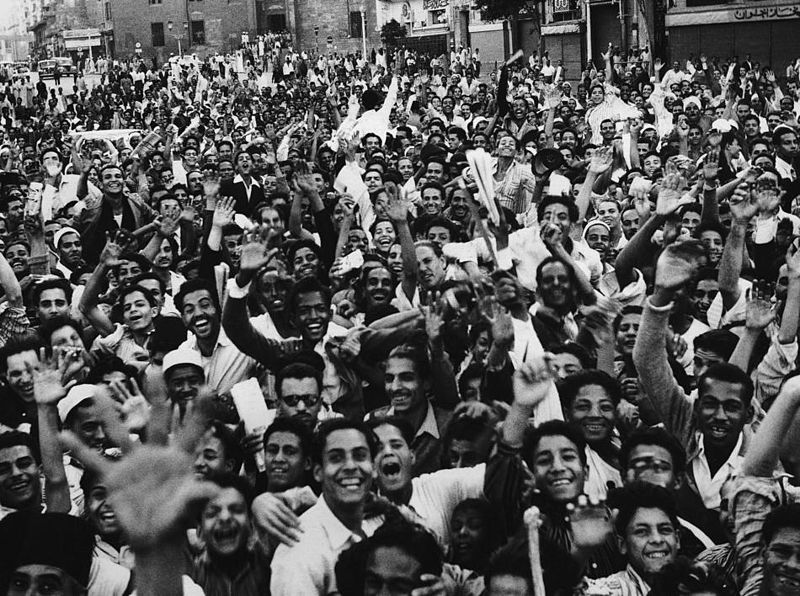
pixel 678 263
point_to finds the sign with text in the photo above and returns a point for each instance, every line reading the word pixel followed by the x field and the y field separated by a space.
pixel 435 4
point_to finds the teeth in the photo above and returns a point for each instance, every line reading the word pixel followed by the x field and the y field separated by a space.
pixel 560 482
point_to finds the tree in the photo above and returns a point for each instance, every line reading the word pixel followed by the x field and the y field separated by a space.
pixel 391 32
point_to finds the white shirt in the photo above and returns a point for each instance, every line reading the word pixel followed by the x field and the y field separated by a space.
pixel 308 567
pixel 707 486
pixel 226 366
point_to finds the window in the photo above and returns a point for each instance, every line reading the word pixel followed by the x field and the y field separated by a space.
pixel 153 2
pixel 355 24
pixel 157 34
pixel 436 17
pixel 690 3
pixel 198 32
pixel 108 11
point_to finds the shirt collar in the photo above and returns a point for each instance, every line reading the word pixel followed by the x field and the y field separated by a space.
pixel 428 425
pixel 253 180
pixel 338 534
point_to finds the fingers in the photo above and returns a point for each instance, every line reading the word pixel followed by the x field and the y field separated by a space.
pixel 112 423
pixel 195 421
pixel 90 458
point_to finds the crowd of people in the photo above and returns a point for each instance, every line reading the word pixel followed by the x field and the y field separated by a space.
pixel 294 323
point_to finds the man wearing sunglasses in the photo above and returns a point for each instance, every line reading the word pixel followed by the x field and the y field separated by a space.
pixel 299 389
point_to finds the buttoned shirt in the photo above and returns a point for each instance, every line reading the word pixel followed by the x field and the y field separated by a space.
pixel 122 343
pixel 226 366
pixel 308 567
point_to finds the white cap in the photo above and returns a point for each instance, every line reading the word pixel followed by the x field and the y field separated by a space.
pixel 63 232
pixel 182 356
pixel 75 396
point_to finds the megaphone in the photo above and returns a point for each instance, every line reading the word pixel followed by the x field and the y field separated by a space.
pixel 546 161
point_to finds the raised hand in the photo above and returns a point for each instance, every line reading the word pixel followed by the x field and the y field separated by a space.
pixel 601 160
pixel 433 313
pixel 500 320
pixel 551 236
pixel 131 404
pixel 552 97
pixel 759 312
pixel 211 187
pixel 670 195
pixel 711 165
pixel 254 254
pixel 304 184
pixel 533 382
pixel 793 261
pixel 658 65
pixel 224 212
pixel 112 250
pixel 167 226
pixel 591 523
pixel 48 379
pixel 678 263
pixel 744 203
pixel 397 210
pixel 153 490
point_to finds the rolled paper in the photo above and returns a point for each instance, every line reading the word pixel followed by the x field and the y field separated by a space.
pixel 532 517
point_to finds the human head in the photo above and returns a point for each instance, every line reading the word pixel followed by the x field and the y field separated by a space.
pixel 647 527
pixel 723 406
pixel 198 306
pixel 590 399
pixel 287 449
pixel 20 484
pixel 555 452
pixel 309 308
pixel 652 455
pixel 299 389
pixel 407 369
pixel 391 561
pixel 52 298
pixel 218 452
pixel 225 522
pixel 343 455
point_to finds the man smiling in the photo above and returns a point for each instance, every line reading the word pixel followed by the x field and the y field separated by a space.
pixel 343 465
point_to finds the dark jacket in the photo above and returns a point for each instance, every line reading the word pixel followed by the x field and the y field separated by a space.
pixel 94 222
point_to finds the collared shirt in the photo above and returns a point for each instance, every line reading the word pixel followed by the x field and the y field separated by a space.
pixel 226 366
pixel 623 583
pixel 308 567
pixel 123 556
pixel 785 169
pixel 708 486
pixel 248 188
pixel 122 343
pixel 251 580
pixel 54 198
pixel 427 444
pixel 514 191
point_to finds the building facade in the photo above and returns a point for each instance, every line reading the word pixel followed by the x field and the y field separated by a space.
pixel 766 30
pixel 199 27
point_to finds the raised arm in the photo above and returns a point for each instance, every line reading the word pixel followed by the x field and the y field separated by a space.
pixel 109 257
pixel 601 162
pixel 743 208
pixel 676 266
pixel 235 321
pixel 398 213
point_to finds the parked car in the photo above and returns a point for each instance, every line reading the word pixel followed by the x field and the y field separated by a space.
pixel 47 67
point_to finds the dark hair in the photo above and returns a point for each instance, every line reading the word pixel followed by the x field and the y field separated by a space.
pixel 401 424
pixel 236 482
pixel 330 426
pixel 568 388
pixel 233 450
pixel 466 429
pixel 16 438
pixel 685 576
pixel 51 284
pixel 729 373
pixel 785 516
pixel 567 201
pixel 418 356
pixel 106 365
pixel 28 342
pixel 641 495
pixel 294 426
pixel 709 226
pixel 552 428
pixel 443 222
pixel 297 370
pixel 396 532
pixel 577 350
pixel 719 341
pixel 434 185
pixel 194 285
pixel 50 326
pixel 510 559
pixel 132 288
pixel 140 260
pixel 630 309
pixel 307 285
pixel 654 436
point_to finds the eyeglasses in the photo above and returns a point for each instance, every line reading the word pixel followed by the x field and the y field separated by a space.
pixel 308 399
